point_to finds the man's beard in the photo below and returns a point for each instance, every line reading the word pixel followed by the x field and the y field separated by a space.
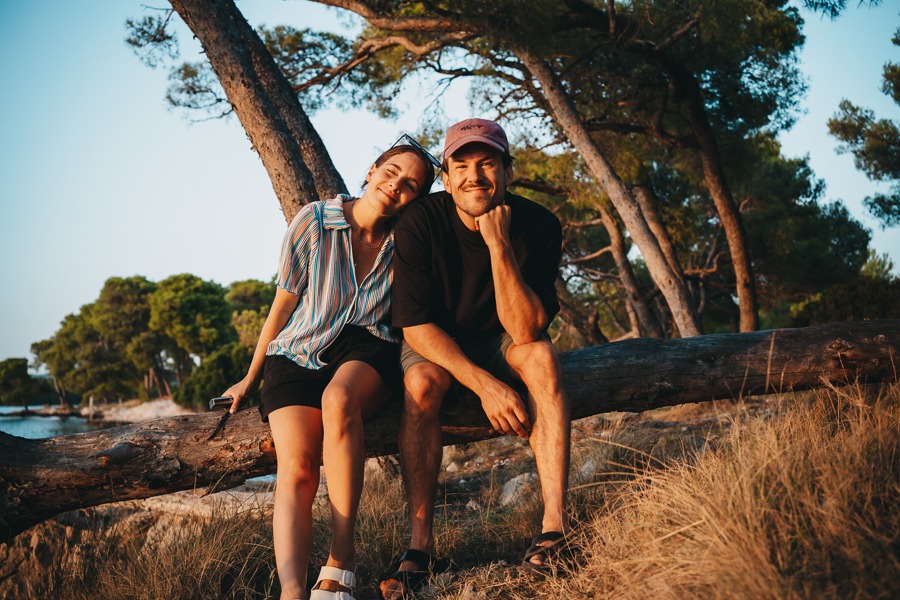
pixel 476 208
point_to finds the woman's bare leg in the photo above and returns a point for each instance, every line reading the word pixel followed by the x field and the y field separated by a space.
pixel 297 433
pixel 355 392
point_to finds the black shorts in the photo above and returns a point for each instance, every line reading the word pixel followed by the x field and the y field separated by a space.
pixel 285 383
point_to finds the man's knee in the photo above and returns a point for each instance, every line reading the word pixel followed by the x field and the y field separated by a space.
pixel 534 361
pixel 426 385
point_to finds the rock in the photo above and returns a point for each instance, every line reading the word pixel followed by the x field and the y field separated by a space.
pixel 588 470
pixel 448 453
pixel 514 488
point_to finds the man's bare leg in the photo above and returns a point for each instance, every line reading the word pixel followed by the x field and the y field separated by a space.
pixel 420 457
pixel 537 364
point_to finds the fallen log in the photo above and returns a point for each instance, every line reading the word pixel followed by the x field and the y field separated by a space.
pixel 42 478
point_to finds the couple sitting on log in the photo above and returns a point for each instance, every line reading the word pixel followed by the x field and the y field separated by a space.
pixel 473 271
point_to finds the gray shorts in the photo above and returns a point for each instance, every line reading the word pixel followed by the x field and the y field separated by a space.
pixel 489 353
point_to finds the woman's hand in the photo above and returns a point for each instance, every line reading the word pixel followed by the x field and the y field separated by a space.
pixel 282 308
pixel 239 391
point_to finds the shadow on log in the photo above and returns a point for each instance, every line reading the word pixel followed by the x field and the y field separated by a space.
pixel 42 478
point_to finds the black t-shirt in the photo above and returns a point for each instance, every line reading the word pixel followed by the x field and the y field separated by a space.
pixel 442 270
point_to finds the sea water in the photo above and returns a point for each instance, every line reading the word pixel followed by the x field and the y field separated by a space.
pixel 35 427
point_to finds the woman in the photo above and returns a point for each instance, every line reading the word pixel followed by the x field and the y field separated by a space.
pixel 328 361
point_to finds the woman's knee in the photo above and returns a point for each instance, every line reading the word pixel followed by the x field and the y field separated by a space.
pixel 299 472
pixel 340 409
pixel 426 385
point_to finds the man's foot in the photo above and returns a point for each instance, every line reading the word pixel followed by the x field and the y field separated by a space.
pixel 542 556
pixel 409 573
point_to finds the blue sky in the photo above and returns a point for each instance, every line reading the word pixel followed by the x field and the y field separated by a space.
pixel 100 178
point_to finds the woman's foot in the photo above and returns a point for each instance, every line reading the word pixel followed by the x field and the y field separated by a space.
pixel 334 583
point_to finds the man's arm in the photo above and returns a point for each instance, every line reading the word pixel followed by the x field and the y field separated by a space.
pixel 502 405
pixel 518 306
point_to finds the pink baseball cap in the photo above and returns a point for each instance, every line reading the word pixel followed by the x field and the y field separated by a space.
pixel 475 130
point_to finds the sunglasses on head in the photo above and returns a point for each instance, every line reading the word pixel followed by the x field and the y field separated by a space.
pixel 407 140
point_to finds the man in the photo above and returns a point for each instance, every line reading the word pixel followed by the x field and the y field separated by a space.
pixel 474 291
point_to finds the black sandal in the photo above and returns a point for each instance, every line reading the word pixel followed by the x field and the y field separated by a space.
pixel 426 566
pixel 547 546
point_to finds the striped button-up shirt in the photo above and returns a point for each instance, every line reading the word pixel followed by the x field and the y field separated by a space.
pixel 317 265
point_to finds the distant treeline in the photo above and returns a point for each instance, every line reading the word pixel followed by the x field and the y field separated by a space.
pixel 182 337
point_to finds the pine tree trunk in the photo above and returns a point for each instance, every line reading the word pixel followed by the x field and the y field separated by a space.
pixel 64 398
pixel 60 390
pixel 162 382
pixel 290 148
pixel 647 325
pixel 565 113
pixel 687 86
pixel 646 200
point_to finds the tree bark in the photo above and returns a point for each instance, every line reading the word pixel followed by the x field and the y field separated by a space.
pixel 290 148
pixel 41 478
pixel 646 320
pixel 686 86
pixel 717 184
pixel 646 200
pixel 565 113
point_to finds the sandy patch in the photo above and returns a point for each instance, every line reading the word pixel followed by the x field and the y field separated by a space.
pixel 135 411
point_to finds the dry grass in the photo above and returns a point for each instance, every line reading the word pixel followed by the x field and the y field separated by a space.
pixel 226 556
pixel 804 505
pixel 122 552
pixel 796 498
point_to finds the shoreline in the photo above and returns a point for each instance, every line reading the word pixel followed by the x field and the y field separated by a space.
pixel 45 412
pixel 124 412
pixel 136 411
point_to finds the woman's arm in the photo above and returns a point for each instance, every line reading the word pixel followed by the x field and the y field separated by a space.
pixel 282 308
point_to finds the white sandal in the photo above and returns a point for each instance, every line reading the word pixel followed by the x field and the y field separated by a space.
pixel 345 578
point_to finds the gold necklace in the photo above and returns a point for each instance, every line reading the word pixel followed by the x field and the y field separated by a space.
pixel 354 227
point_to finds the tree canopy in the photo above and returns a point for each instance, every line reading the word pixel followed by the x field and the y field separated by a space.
pixel 16 385
pixel 141 338
pixel 666 114
pixel 192 312
pixel 80 360
pixel 875 144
